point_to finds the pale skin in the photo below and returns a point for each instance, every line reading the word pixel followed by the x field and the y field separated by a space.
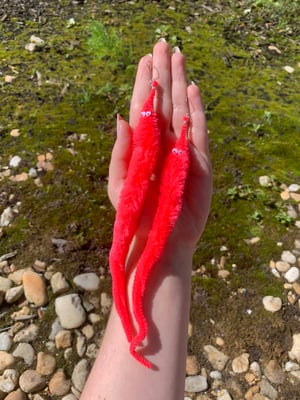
pixel 116 374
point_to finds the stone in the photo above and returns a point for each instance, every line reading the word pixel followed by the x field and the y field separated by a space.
pixel 59 385
pixel 15 161
pixel 294 187
pixel 216 358
pixel 5 284
pixel 17 276
pixel 88 281
pixel 16 395
pixel 194 384
pixel 80 374
pixel 26 352
pixel 59 283
pixel 92 351
pixel 296 197
pixel 80 345
pixel 106 302
pixel 274 372
pixel 255 368
pixel 292 274
pixel 282 266
pixel 272 304
pixel 265 181
pixel 28 334
pixel 9 380
pixel 289 69
pixel 291 366
pixel 6 360
pixel 224 395
pixel 35 288
pixel 70 396
pixel 31 381
pixel 266 389
pixel 70 311
pixel 46 363
pixel 5 341
pixel 294 354
pixel 6 217
pixel 55 328
pixel 192 365
pixel 240 364
pixel 88 331
pixel 14 294
pixel 15 133
pixel 288 257
pixel 63 339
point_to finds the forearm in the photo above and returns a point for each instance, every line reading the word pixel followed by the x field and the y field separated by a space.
pixel 167 310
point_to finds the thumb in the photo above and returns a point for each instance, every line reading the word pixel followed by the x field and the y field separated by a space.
pixel 120 159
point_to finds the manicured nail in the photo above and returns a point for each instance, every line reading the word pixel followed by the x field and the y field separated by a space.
pixel 176 49
pixel 162 39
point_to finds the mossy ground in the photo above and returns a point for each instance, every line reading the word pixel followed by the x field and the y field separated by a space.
pixel 77 83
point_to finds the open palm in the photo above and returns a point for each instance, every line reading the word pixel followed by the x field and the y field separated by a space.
pixel 174 100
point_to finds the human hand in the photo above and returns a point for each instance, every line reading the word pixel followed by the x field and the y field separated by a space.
pixel 174 100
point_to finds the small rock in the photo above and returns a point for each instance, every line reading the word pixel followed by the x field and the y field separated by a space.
pixel 28 334
pixel 88 281
pixel 9 380
pixel 224 395
pixel 70 396
pixel 240 364
pixel 46 363
pixel 296 287
pixel 59 385
pixel 6 216
pixel 17 276
pixel 288 257
pixel 55 328
pixel 274 372
pixel 255 368
pixel 92 351
pixel 63 339
pixel 272 304
pixel 6 360
pixel 15 133
pixel 194 384
pixel 294 354
pixel 16 395
pixel 216 375
pixel 80 345
pixel 70 311
pixel 266 389
pixel 192 366
pixel 289 69
pixel 80 374
pixel 35 288
pixel 291 366
pixel 31 381
pixel 59 283
pixel 216 358
pixel 265 181
pixel 22 177
pixel 26 352
pixel 88 331
pixel 106 302
pixel 292 274
pixel 15 161
pixel 5 341
pixel 285 195
pixel 14 294
pixel 294 187
pixel 282 266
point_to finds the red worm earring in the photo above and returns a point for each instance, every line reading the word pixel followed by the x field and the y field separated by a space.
pixel 146 139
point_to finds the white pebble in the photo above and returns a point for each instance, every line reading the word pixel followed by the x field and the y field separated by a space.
pixel 288 257
pixel 272 304
pixel 292 274
pixel 294 187
pixel 14 162
pixel 194 384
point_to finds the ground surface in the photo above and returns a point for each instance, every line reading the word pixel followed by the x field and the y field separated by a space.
pixel 63 98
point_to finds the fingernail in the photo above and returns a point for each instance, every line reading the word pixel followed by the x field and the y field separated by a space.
pixel 193 83
pixel 162 39
pixel 176 49
pixel 149 55
pixel 119 118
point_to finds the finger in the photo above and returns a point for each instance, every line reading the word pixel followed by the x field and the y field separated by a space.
pixel 198 129
pixel 179 90
pixel 162 74
pixel 141 88
pixel 120 159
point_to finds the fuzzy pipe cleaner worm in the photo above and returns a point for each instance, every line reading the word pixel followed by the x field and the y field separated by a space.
pixel 146 139
pixel 172 185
